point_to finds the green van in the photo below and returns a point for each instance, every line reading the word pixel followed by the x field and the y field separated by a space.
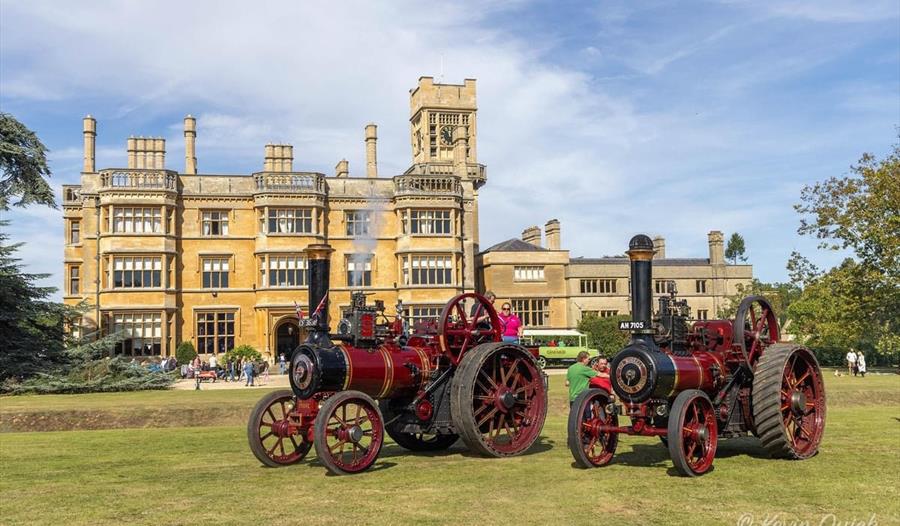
pixel 557 346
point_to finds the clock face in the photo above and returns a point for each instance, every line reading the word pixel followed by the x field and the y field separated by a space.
pixel 447 135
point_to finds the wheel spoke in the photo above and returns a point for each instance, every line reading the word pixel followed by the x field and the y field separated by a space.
pixel 490 414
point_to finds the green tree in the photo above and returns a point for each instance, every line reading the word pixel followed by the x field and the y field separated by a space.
pixel 779 295
pixel 604 334
pixel 736 248
pixel 23 164
pixel 857 303
pixel 185 352
pixel 32 329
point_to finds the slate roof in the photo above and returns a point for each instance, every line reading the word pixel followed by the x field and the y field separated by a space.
pixel 514 245
pixel 624 261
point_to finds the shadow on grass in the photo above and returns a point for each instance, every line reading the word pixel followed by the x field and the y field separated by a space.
pixel 733 447
pixel 541 445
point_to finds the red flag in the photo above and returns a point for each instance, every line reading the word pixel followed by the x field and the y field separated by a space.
pixel 299 310
pixel 321 305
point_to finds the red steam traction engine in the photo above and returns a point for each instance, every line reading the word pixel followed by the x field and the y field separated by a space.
pixel 689 384
pixel 447 380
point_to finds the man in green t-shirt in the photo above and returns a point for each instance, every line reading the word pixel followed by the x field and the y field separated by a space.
pixel 579 376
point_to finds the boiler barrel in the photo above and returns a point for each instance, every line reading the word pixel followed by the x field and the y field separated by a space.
pixel 639 373
pixel 381 372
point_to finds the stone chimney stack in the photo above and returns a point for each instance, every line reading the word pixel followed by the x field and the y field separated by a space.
pixel 532 235
pixel 342 168
pixel 190 145
pixel 460 150
pixel 552 231
pixel 147 153
pixel 716 248
pixel 371 151
pixel 278 158
pixel 90 144
pixel 659 247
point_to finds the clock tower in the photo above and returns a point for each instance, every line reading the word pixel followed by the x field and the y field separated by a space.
pixel 436 111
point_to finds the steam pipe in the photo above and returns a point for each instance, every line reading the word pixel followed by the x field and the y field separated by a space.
pixel 640 252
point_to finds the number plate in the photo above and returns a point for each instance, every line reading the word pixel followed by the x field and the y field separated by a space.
pixel 631 325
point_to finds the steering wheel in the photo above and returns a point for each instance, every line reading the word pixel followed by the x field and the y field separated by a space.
pixel 457 332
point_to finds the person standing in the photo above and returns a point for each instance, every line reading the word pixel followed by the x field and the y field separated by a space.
pixel 248 370
pixel 264 373
pixel 851 362
pixel 213 363
pixel 861 363
pixel 282 363
pixel 601 381
pixel 578 376
pixel 511 324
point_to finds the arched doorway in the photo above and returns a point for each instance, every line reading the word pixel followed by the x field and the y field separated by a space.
pixel 287 338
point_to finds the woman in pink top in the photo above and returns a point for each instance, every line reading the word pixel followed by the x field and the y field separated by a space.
pixel 511 324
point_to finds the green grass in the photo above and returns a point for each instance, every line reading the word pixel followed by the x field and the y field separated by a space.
pixel 169 475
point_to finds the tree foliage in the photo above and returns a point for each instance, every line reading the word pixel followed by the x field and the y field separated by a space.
pixel 857 303
pixel 32 329
pixel 603 333
pixel 185 352
pixel 23 166
pixel 735 249
pixel 247 352
pixel 779 295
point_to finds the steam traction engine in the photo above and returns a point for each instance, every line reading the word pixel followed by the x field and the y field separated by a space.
pixel 445 381
pixel 690 384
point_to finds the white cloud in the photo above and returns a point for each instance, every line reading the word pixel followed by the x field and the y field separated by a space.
pixel 609 161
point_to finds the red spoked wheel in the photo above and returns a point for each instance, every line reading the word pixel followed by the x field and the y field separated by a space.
pixel 459 332
pixel 591 447
pixel 349 432
pixel 498 400
pixel 274 436
pixel 789 402
pixel 692 433
pixel 755 327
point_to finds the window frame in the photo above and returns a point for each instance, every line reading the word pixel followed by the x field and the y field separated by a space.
pixel 302 221
pixel 213 318
pixel 223 271
pixel 358 223
pixel 529 309
pixel 122 216
pixel 364 259
pixel 154 272
pixel 521 273
pixel 74 280
pixel 416 274
pixel 128 322
pixel 222 221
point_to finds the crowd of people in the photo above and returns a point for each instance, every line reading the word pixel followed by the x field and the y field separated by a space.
pixel 251 372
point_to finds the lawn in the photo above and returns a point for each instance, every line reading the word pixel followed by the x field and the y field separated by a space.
pixel 205 473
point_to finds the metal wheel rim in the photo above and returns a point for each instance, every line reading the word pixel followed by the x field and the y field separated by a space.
pixel 279 438
pixel 803 426
pixel 508 429
pixel 346 453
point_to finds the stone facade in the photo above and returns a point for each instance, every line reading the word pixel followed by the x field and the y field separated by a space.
pixel 555 291
pixel 217 260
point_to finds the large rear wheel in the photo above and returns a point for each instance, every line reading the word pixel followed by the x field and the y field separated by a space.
pixel 789 401
pixel 498 400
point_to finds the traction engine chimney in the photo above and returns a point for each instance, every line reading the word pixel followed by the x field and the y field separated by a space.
pixel 319 266
pixel 640 252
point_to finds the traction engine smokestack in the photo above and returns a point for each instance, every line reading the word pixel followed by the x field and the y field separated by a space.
pixel 640 252
pixel 319 266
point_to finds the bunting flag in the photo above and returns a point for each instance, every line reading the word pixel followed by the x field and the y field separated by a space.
pixel 321 305
pixel 299 311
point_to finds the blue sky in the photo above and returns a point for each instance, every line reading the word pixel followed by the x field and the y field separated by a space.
pixel 670 118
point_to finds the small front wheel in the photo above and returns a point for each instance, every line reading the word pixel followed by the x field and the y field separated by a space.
pixel 692 433
pixel 542 362
pixel 590 446
pixel 274 439
pixel 349 432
